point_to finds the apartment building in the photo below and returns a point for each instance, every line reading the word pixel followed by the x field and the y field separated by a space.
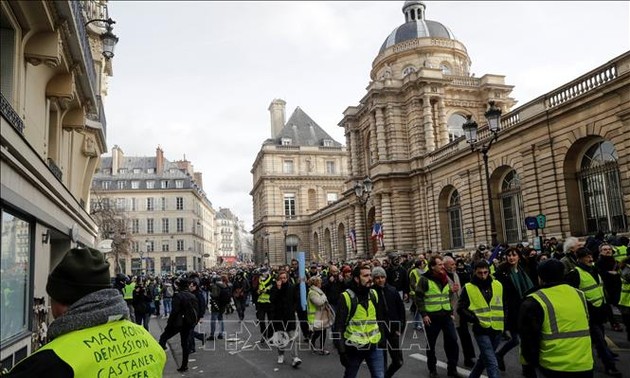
pixel 162 220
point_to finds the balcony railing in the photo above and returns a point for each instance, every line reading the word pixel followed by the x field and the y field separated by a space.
pixel 54 168
pixel 11 115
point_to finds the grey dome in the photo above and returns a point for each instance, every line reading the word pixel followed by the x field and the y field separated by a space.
pixel 416 26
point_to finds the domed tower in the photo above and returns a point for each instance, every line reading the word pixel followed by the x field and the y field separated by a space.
pixel 421 92
pixel 420 43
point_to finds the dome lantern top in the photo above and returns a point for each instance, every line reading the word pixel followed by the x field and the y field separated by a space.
pixel 413 10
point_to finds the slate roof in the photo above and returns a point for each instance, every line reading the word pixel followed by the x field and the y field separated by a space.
pixel 303 131
pixel 171 171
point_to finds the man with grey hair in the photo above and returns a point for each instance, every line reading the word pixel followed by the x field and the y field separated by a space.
pixel 570 245
pixel 461 325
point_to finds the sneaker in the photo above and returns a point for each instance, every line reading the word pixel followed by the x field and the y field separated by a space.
pixel 220 337
pixel 210 338
pixel 296 362
pixel 182 369
pixel 281 359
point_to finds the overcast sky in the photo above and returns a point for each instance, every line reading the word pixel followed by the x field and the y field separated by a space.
pixel 197 77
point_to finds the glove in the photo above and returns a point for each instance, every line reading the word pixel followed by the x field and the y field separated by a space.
pixel 343 358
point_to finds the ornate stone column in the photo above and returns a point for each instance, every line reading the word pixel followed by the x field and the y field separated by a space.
pixel 387 220
pixel 428 123
pixel 442 126
pixel 380 134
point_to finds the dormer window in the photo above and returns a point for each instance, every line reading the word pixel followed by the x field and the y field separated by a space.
pixel 286 141
pixel 327 142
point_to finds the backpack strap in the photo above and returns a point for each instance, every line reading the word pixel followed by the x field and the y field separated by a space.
pixel 354 302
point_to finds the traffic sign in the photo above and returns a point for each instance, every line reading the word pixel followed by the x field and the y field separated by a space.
pixel 542 220
pixel 531 223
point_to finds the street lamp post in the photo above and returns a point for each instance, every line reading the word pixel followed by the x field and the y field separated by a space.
pixel 493 115
pixel 108 38
pixel 285 229
pixel 362 190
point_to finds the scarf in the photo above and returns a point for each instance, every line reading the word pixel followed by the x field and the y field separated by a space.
pixel 100 307
pixel 521 281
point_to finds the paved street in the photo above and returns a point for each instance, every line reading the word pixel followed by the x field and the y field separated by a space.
pixel 240 355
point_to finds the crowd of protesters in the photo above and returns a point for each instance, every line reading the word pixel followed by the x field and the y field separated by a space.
pixel 486 291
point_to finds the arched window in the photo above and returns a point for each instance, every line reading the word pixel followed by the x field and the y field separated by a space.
pixel 512 208
pixel 446 69
pixel 601 190
pixel 454 211
pixel 454 125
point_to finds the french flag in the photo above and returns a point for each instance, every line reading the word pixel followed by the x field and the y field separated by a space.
pixel 353 238
pixel 377 233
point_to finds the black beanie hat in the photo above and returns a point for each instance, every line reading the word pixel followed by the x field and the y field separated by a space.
pixel 80 272
pixel 551 270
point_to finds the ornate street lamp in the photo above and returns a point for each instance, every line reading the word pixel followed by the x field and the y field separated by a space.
pixel 493 115
pixel 108 38
pixel 285 229
pixel 363 189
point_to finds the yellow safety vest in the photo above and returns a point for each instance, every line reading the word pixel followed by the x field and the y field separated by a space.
pixel 566 343
pixel 128 290
pixel 489 315
pixel 362 328
pixel 116 349
pixel 413 274
pixel 624 299
pixel 311 309
pixel 263 289
pixel 436 300
pixel 620 253
pixel 593 291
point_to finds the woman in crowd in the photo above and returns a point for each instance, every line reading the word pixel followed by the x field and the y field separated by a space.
pixel 516 283
pixel 316 307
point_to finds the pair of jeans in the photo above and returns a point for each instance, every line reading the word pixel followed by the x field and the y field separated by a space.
pixel 168 305
pixel 487 344
pixel 373 356
pixel 217 317
pixel 444 324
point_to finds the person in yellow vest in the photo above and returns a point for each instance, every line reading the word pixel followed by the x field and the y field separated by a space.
pixel 621 250
pixel 553 326
pixel 624 298
pixel 586 278
pixel 481 303
pixel 91 335
pixel 263 304
pixel 433 302
pixel 316 303
pixel 130 287
pixel 419 268
pixel 357 332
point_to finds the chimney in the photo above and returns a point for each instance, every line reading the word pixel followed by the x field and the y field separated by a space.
pixel 276 109
pixel 117 159
pixel 199 179
pixel 159 160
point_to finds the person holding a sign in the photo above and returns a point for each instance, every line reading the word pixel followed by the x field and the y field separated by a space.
pixel 91 334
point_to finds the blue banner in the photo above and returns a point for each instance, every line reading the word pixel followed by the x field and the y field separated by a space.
pixel 302 270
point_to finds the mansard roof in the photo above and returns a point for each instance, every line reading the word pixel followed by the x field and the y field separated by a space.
pixel 303 131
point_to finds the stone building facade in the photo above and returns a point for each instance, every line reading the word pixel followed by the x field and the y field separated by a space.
pixel 564 154
pixel 53 76
pixel 162 221
pixel 298 171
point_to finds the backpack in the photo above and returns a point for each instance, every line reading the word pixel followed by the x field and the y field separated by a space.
pixel 224 296
pixel 215 291
pixel 168 291
pixel 189 311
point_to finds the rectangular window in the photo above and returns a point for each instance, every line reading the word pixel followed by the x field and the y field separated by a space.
pixel 165 246
pixel 136 266
pixel 289 205
pixel 163 203
pixel 165 225
pixel 7 61
pixel 149 225
pixel 135 246
pixel 150 184
pixel 287 166
pixel 179 184
pixel 180 244
pixel 17 267
pixel 331 197
pixel 135 184
pixel 135 226
pixel 106 184
pixel 327 143
pixel 150 246
pixel 134 204
pixel 164 184
pixel 180 225
pixel 180 263
pixel 150 204
pixel 121 184
pixel 137 170
pixel 330 167
pixel 121 204
pixel 150 170
pixel 180 203
pixel 286 141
